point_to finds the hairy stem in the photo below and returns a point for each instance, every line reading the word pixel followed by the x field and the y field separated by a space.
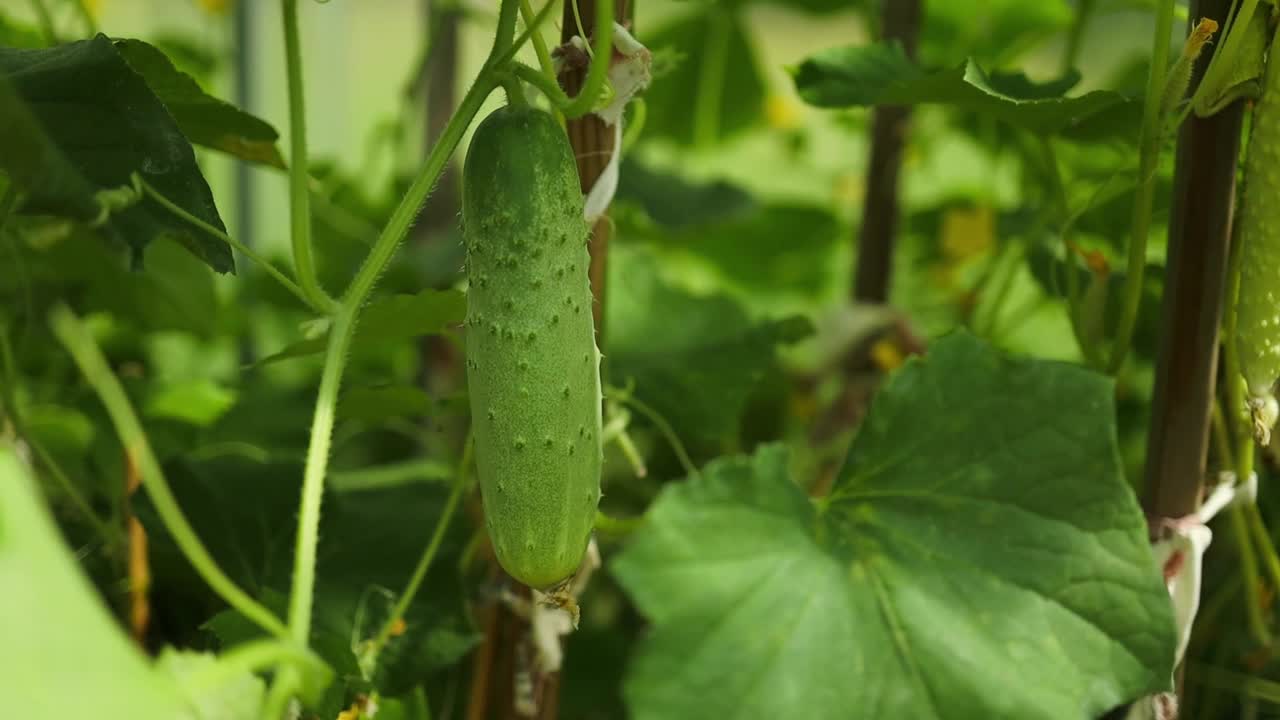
pixel 428 554
pixel 240 247
pixel 597 72
pixel 299 195
pixel 539 43
pixel 344 323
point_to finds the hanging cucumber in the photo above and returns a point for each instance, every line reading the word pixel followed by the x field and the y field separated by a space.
pixel 533 370
pixel 1258 305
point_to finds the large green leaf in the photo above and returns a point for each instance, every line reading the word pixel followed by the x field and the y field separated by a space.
pixel 76 119
pixel 980 556
pixel 881 74
pixel 695 359
pixel 64 656
pixel 204 119
pixel 674 202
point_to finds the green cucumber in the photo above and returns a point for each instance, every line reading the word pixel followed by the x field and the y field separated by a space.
pixel 533 370
pixel 1258 304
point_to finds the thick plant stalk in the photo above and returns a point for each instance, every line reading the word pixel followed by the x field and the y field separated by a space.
pixel 1196 276
pixel 880 207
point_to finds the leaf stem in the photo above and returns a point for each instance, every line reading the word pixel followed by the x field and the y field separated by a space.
pixel 84 350
pixel 1249 569
pixel 597 72
pixel 253 657
pixel 1270 559
pixel 1240 424
pixel 287 683
pixel 45 18
pixel 1148 156
pixel 661 423
pixel 531 22
pixel 240 247
pixel 617 527
pixel 1071 50
pixel 715 59
pixel 299 195
pixel 90 25
pixel 428 554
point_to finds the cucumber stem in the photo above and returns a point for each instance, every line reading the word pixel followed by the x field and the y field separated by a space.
pixel 299 195
pixel 428 554
pixel 1148 156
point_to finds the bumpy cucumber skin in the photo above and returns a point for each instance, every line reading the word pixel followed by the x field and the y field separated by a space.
pixel 1258 305
pixel 533 370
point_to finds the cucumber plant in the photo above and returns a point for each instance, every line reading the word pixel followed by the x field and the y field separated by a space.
pixel 816 533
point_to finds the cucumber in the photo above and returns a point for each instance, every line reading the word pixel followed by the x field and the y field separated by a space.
pixel 533 369
pixel 1258 304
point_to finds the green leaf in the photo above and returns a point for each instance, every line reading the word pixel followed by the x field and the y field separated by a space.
pixel 673 202
pixel 204 119
pixel 980 555
pixel 863 76
pixel 993 32
pixel 378 404
pixel 16 34
pixel 76 120
pixel 695 359
pixel 744 251
pixel 676 98
pixel 196 402
pixel 64 655
pixel 389 320
pixel 237 698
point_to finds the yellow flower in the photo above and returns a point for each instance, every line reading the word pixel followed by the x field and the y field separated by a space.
pixel 967 232
pixel 782 112
pixel 886 354
pixel 215 7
